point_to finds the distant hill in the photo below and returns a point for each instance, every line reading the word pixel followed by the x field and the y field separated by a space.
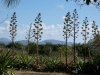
pixel 22 41
pixel 55 42
pixel 6 41
pixel 52 41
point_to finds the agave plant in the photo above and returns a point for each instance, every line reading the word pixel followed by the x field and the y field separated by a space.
pixel 6 60
pixel 23 62
pixel 87 68
pixel 54 65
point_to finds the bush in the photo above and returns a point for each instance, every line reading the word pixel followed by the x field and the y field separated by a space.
pixel 53 65
pixel 23 62
pixel 2 45
pixel 17 45
pixel 6 60
pixel 32 48
pixel 88 68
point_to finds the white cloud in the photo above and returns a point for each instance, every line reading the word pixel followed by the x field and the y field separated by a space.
pixel 63 17
pixel 52 32
pixel 2 29
pixel 61 6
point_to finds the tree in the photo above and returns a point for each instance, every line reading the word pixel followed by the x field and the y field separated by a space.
pixel 79 49
pixel 75 29
pixel 32 48
pixel 37 32
pixel 19 45
pixel 10 3
pixel 13 28
pixel 94 45
pixel 45 49
pixel 48 48
pixel 85 34
pixel 88 2
pixel 2 45
pixel 29 35
pixel 67 30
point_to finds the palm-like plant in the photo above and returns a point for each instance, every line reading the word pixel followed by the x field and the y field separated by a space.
pixel 37 31
pixel 10 3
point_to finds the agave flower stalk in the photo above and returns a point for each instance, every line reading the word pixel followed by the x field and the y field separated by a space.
pixel 37 32
pixel 67 30
pixel 13 29
pixel 85 34
pixel 75 28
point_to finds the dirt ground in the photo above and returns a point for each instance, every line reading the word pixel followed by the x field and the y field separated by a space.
pixel 37 73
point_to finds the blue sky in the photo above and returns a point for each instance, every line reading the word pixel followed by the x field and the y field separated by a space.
pixel 52 14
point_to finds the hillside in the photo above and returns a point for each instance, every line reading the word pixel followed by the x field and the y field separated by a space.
pixel 6 41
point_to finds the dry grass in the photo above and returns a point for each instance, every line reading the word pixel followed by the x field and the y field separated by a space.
pixel 37 73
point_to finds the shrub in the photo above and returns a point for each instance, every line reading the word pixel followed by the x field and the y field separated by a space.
pixel 88 68
pixel 6 60
pixel 54 65
pixel 23 62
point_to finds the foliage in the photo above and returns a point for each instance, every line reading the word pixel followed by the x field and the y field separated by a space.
pixel 88 68
pixel 80 50
pixel 11 3
pixel 6 60
pixel 46 49
pixel 23 62
pixel 17 45
pixel 87 2
pixel 53 65
pixel 32 48
pixel 2 45
pixel 9 45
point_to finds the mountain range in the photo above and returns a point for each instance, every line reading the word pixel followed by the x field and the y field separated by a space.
pixel 7 41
